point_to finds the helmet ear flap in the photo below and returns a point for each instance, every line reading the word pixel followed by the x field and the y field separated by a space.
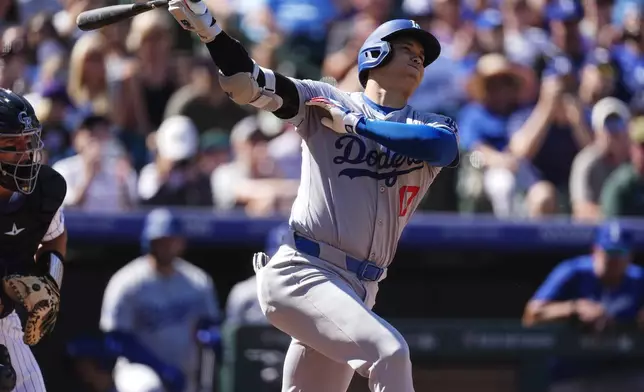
pixel 372 56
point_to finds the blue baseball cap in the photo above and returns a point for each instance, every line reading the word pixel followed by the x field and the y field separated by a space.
pixel 161 223
pixel 614 238
pixel 489 19
pixel 564 10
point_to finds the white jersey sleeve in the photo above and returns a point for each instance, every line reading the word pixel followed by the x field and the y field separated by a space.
pixel 117 312
pixel 56 227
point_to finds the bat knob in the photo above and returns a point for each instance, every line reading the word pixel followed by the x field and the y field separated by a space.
pixel 197 6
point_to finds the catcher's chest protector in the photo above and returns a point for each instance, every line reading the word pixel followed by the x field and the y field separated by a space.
pixel 24 224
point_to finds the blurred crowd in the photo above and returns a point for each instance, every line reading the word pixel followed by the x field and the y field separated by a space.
pixel 548 96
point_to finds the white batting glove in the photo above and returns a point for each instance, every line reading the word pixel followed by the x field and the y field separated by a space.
pixel 195 16
pixel 342 119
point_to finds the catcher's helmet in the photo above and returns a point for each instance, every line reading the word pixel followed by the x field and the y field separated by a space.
pixel 20 143
pixel 376 49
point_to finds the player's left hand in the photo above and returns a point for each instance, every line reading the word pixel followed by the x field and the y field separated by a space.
pixel 40 297
pixel 342 119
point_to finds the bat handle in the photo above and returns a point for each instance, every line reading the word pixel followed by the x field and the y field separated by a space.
pixel 199 7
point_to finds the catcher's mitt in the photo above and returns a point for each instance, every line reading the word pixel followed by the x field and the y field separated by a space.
pixel 40 297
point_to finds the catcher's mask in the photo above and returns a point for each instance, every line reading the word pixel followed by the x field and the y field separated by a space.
pixel 20 143
pixel 21 155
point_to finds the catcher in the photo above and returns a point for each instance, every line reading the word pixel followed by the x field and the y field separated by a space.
pixel 32 229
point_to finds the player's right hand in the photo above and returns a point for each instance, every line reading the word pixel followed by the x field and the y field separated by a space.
pixel 196 17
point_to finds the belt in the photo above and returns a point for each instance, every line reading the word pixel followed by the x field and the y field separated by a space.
pixel 364 269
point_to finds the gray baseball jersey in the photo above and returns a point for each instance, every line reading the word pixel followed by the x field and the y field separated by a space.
pixel 160 311
pixel 356 194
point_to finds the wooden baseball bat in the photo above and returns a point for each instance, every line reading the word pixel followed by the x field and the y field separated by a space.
pixel 104 16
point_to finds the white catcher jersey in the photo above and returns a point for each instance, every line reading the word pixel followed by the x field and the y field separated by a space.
pixel 356 194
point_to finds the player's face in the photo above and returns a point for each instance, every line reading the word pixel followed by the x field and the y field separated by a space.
pixel 15 149
pixel 165 250
pixel 405 70
pixel 611 265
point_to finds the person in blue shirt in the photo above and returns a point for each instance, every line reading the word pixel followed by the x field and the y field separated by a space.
pixel 596 291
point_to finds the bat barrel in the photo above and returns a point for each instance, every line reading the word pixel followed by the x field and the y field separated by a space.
pixel 104 16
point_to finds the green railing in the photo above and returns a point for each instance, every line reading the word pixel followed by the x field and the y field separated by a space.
pixel 254 355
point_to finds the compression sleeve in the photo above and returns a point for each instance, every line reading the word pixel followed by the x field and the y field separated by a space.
pixel 231 57
pixel 435 145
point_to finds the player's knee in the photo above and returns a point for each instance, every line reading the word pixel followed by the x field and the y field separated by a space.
pixel 396 353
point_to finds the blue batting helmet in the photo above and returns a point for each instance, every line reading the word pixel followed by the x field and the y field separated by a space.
pixel 376 49
pixel 159 223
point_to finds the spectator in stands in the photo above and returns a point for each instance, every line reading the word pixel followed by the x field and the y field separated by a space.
pixel 593 164
pixel 548 136
pixel 152 307
pixel 628 54
pixel 88 84
pixel 498 89
pixel 301 27
pixel 173 179
pixel 623 192
pixel 595 292
pixel 598 78
pixel 43 39
pixel 54 110
pixel 154 74
pixel 99 177
pixel 564 18
pixel 525 43
pixel 10 14
pixel 65 19
pixel 214 150
pixel 442 89
pixel 203 100
pixel 347 36
pixel 13 62
pixel 251 180
pixel 242 305
pixel 596 25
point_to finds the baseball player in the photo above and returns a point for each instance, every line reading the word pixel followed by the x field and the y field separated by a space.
pixel 33 243
pixel 152 307
pixel 368 160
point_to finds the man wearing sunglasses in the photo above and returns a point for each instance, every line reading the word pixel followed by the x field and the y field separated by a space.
pixel 595 291
pixel 623 193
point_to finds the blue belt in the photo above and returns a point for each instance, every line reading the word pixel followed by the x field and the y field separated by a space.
pixel 364 269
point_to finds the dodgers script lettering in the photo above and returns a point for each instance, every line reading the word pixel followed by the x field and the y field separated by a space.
pixel 354 152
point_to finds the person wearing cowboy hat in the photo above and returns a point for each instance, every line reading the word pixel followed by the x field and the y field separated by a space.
pixel 548 136
pixel 498 89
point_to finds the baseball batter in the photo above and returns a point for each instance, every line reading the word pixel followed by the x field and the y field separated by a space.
pixel 368 160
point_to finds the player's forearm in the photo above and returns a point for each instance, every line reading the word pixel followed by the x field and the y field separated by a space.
pixel 435 145
pixel 231 58
pixel 549 312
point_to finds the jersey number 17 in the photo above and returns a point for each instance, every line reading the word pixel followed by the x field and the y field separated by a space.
pixel 407 195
